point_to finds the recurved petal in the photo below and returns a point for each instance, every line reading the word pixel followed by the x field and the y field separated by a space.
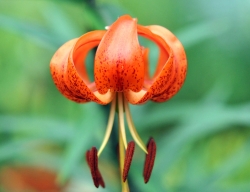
pixel 164 74
pixel 119 62
pixel 58 65
pixel 71 77
pixel 76 68
pixel 180 63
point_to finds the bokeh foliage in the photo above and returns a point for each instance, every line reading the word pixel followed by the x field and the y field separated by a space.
pixel 202 134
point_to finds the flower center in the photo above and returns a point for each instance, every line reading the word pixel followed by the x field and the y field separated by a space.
pixel 125 159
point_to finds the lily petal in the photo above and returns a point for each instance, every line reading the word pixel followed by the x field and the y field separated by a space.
pixel 58 65
pixel 180 62
pixel 69 71
pixel 163 75
pixel 119 62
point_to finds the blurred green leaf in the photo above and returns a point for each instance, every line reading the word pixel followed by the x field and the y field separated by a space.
pixel 13 149
pixel 30 30
pixel 82 140
pixel 39 128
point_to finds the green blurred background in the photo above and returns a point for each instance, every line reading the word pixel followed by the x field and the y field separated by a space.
pixel 202 134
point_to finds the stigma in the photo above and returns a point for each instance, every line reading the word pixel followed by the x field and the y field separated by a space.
pixel 125 149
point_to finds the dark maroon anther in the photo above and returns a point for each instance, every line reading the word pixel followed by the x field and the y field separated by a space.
pixel 128 159
pixel 100 179
pixel 150 158
pixel 92 160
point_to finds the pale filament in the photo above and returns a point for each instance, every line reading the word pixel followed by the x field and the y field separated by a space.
pixel 122 106
pixel 132 128
pixel 109 126
pixel 121 118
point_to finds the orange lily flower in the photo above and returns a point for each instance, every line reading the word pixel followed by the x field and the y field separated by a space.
pixel 121 76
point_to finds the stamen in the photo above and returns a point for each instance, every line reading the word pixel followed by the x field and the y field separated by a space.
pixel 92 160
pixel 128 159
pixel 121 119
pixel 109 126
pixel 100 179
pixel 132 128
pixel 150 158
